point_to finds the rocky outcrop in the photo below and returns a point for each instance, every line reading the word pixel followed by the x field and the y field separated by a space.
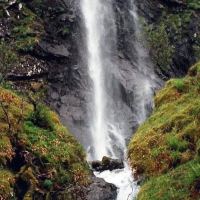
pixel 97 189
pixel 70 91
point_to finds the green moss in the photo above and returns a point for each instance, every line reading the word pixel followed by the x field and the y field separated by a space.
pixel 167 187
pixel 47 184
pixel 169 138
pixel 6 151
pixel 193 4
pixel 178 84
pixel 174 20
pixel 41 117
pixel 7 182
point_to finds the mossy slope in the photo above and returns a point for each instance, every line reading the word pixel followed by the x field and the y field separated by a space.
pixel 38 156
pixel 166 147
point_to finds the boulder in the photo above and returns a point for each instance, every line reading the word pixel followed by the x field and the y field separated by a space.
pixel 101 190
pixel 107 164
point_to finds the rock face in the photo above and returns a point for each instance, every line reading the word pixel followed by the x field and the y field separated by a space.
pixel 70 91
pixel 97 190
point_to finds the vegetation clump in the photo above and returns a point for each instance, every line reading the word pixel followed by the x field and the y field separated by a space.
pixel 8 60
pixel 27 30
pixel 158 40
pixel 166 148
pixel 38 156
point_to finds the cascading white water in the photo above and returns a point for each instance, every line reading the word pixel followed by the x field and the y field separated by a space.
pixel 100 41
pixel 100 37
pixel 92 11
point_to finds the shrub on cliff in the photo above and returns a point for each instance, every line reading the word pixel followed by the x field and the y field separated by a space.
pixel 165 149
pixel 158 40
pixel 8 60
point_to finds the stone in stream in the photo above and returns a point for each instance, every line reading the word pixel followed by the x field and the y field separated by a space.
pixel 107 164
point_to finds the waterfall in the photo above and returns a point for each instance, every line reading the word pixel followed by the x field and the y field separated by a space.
pixel 100 37
pixel 95 36
pixel 107 132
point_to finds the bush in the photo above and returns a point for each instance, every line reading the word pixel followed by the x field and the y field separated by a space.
pixel 47 184
pixel 158 40
pixel 178 84
pixel 173 142
pixel 8 59
pixel 27 31
pixel 41 117
pixel 194 4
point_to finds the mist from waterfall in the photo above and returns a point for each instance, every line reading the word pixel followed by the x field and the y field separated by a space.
pixel 144 91
pixel 106 132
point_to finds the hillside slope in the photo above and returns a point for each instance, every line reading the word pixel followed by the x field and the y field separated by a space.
pixel 39 158
pixel 166 148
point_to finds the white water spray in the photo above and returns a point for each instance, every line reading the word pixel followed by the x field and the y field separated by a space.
pixel 144 91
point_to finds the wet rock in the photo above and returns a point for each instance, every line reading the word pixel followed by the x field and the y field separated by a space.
pixel 175 2
pixel 101 190
pixel 55 95
pixel 56 50
pixel 107 164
